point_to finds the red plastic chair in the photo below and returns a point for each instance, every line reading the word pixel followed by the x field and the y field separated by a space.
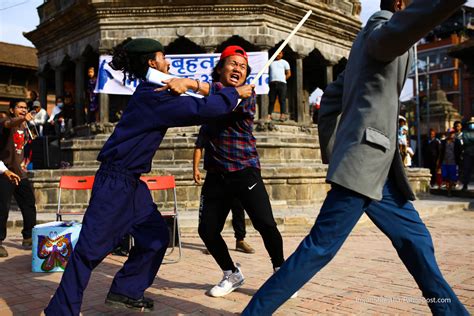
pixel 167 183
pixel 72 183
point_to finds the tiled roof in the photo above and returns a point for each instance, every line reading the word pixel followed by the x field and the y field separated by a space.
pixel 19 56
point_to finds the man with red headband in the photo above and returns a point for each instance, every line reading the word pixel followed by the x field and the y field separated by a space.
pixel 233 171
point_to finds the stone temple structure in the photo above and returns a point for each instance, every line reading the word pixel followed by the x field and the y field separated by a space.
pixel 73 33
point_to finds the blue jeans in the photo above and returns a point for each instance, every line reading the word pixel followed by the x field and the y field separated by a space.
pixel 393 215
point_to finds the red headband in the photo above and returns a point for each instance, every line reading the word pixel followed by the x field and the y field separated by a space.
pixel 234 51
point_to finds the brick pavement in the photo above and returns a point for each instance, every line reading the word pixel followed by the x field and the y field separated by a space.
pixel 365 278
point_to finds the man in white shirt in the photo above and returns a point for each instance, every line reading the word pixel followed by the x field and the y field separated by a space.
pixel 41 117
pixel 279 73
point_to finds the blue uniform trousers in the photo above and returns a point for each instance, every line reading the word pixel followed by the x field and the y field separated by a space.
pixel 120 203
pixel 393 215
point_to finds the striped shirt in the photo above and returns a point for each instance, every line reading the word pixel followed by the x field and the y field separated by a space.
pixel 228 142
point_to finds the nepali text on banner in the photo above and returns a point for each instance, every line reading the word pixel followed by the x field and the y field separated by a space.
pixel 196 66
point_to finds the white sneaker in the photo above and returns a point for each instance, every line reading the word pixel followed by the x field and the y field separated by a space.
pixel 229 283
pixel 295 295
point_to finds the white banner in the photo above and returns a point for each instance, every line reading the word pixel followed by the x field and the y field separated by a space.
pixel 196 66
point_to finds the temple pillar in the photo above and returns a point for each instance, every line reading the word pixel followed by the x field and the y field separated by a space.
pixel 329 73
pixel 300 104
pixel 43 90
pixel 104 107
pixel 59 82
pixel 80 90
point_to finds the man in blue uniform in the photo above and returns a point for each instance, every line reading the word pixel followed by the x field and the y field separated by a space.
pixel 120 203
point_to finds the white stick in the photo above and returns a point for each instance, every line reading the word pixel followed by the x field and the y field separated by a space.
pixel 254 81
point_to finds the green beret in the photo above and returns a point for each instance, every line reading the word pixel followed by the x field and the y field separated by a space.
pixel 143 46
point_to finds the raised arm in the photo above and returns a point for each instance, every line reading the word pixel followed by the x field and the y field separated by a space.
pixel 181 85
pixel 15 121
pixel 406 27
pixel 172 111
pixel 329 113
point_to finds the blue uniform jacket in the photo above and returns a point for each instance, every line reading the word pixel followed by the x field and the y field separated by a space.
pixel 148 116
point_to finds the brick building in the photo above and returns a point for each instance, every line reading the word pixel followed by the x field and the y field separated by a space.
pixel 446 72
pixel 18 67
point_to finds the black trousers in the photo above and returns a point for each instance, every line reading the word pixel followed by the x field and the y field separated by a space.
pixel 25 198
pixel 217 195
pixel 277 88
pixel 468 165
pixel 238 220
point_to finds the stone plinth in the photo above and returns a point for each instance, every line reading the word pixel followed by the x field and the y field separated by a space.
pixel 442 113
pixel 291 170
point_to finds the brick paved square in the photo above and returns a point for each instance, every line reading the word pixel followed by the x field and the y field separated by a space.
pixel 365 278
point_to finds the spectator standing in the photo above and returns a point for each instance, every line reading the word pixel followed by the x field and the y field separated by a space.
pixel 468 154
pixel 40 117
pixel 93 106
pixel 402 138
pixel 458 130
pixel 402 130
pixel 13 138
pixel 409 153
pixel 279 73
pixel 33 98
pixel 449 159
pixel 68 114
pixel 431 152
pixel 55 119
pixel 458 134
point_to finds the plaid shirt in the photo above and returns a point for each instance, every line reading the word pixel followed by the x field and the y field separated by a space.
pixel 229 143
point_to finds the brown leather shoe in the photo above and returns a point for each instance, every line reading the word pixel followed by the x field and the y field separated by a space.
pixel 27 243
pixel 3 252
pixel 241 245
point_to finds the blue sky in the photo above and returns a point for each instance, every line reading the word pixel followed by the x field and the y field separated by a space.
pixel 18 16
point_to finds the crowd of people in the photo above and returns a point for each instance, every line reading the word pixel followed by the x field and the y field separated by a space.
pixel 358 136
pixel 449 156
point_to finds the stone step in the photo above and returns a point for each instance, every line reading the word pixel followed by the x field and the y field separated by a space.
pixel 290 185
pixel 289 127
pixel 176 149
pixel 290 157
pixel 290 221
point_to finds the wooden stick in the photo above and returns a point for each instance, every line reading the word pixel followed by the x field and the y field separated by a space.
pixel 254 81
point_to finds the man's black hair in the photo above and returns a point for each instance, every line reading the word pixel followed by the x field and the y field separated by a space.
pixel 386 5
pixel 133 66
pixel 389 5
pixel 14 102
pixel 215 75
